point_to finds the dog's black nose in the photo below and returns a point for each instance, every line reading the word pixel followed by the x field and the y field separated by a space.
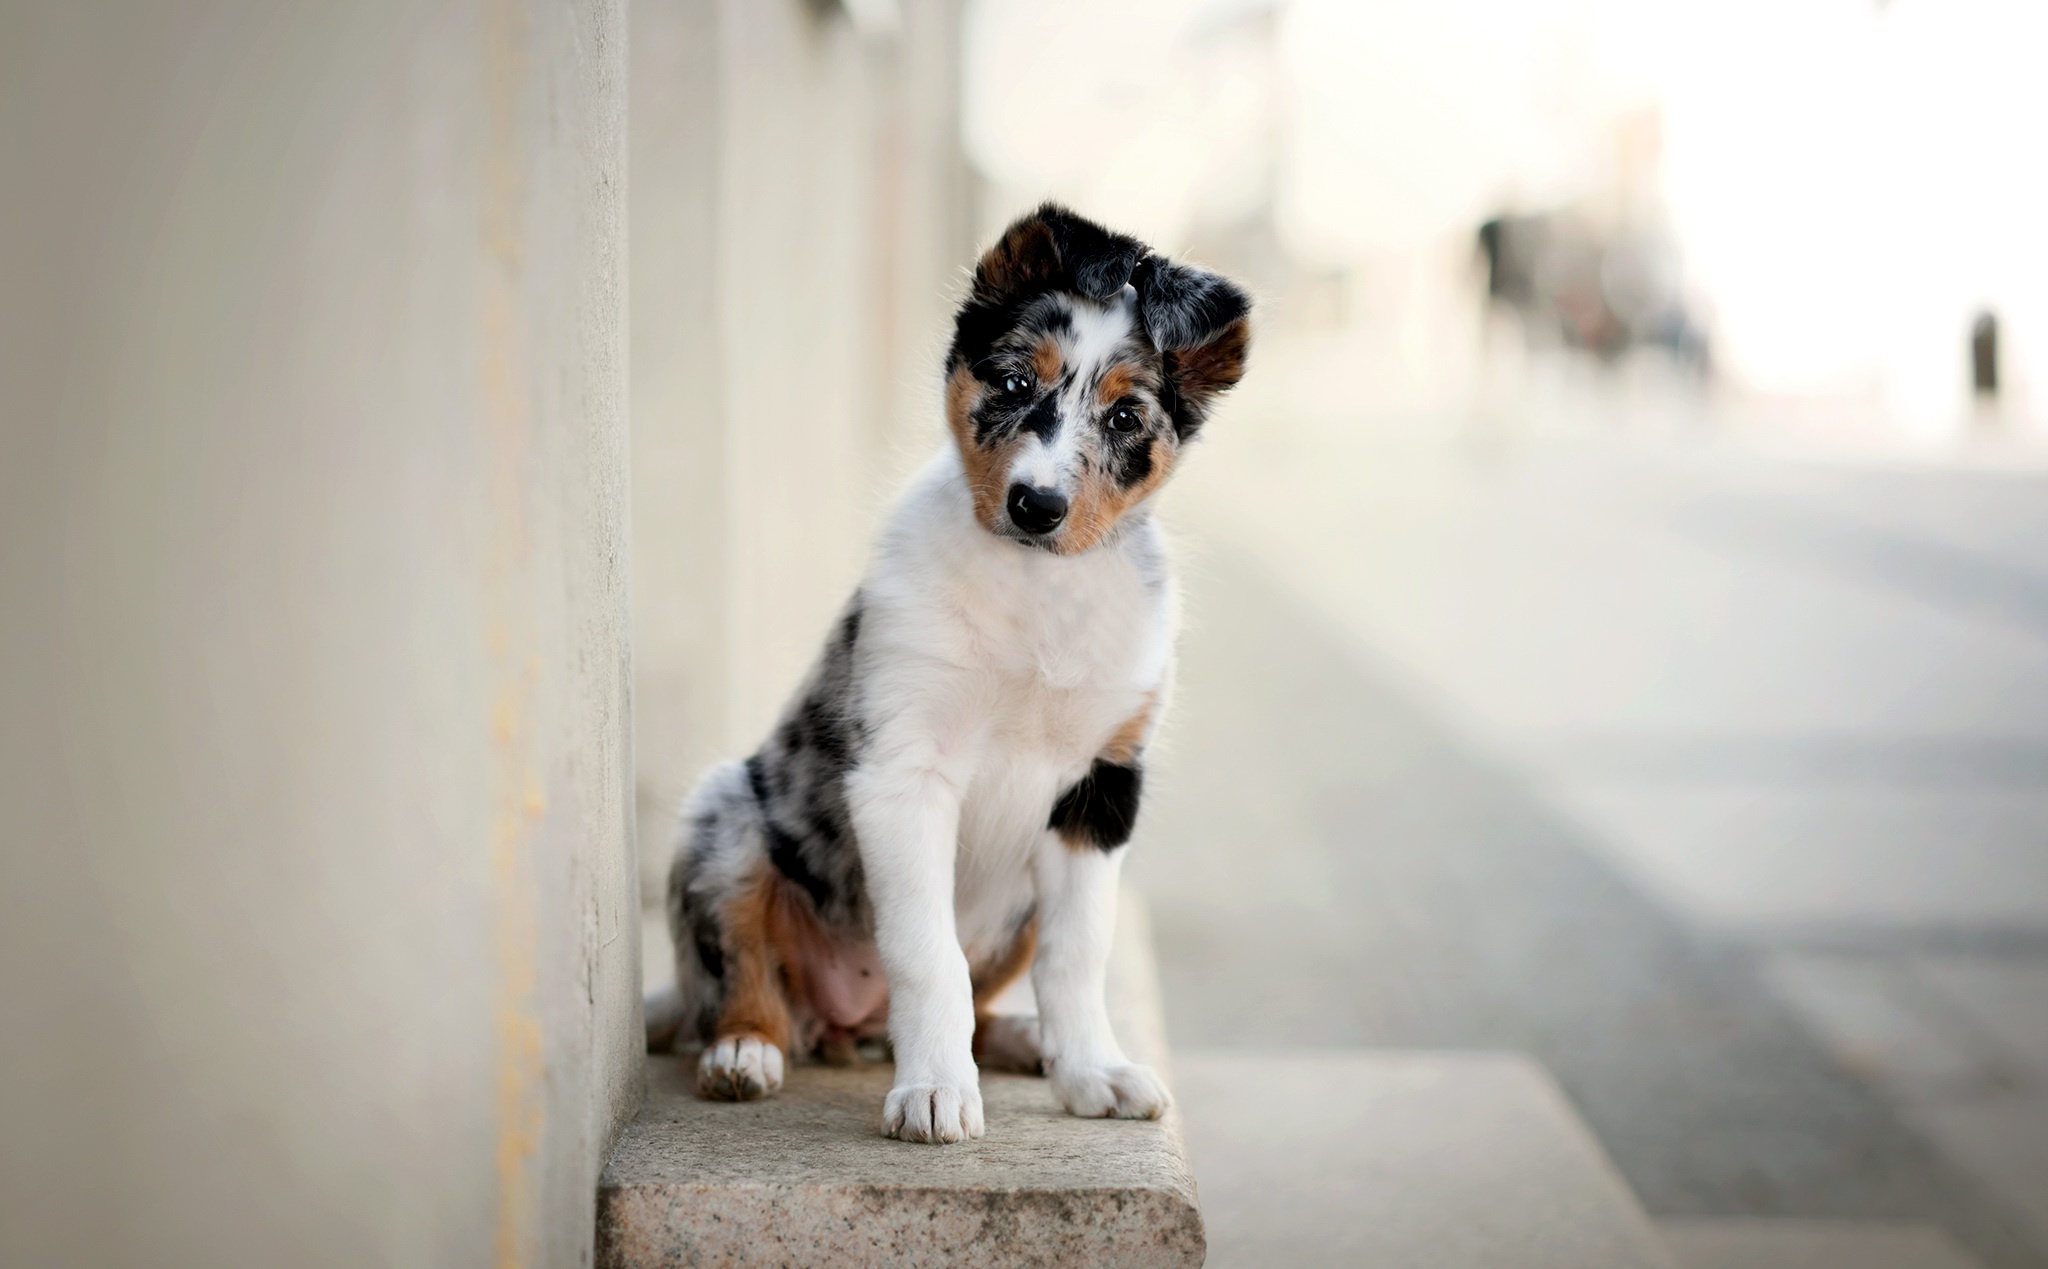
pixel 1036 510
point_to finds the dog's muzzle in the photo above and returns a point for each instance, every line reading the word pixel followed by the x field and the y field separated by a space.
pixel 1034 510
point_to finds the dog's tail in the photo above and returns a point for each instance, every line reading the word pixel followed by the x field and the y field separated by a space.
pixel 665 1014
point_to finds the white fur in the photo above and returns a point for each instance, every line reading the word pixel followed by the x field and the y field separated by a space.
pixel 993 675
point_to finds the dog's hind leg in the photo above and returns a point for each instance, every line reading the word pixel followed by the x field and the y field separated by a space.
pixel 728 992
pixel 744 1059
pixel 1007 1042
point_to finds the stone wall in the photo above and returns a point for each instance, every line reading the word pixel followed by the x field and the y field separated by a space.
pixel 318 933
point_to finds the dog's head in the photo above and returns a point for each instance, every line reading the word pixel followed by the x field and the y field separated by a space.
pixel 1081 363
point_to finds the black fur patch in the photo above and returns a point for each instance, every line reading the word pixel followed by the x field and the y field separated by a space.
pixel 709 953
pixel 1098 260
pixel 1102 808
pixel 1047 319
pixel 785 849
pixel 1137 462
pixel 1044 419
pixel 1186 421
pixel 1184 306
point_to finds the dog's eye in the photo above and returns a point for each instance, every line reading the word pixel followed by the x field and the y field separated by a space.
pixel 1123 419
pixel 1015 384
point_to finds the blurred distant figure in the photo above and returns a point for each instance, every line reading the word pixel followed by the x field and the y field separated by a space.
pixel 1508 279
pixel 1599 291
pixel 1984 356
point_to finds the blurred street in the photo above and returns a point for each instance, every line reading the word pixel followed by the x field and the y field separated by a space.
pixel 1714 776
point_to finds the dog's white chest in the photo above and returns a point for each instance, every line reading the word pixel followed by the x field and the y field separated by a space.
pixel 1065 663
pixel 1066 657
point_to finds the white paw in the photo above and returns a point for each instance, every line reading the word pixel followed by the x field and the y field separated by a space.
pixel 936 1113
pixel 739 1069
pixel 1124 1091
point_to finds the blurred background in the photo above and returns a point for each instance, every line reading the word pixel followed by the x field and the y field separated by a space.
pixel 1616 622
pixel 1616 600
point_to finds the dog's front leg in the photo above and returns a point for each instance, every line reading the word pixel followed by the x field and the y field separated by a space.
pixel 1076 919
pixel 907 818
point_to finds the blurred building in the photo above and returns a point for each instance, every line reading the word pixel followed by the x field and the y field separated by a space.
pixel 1824 194
pixel 802 223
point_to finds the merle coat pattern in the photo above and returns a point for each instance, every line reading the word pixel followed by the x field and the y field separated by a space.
pixel 943 805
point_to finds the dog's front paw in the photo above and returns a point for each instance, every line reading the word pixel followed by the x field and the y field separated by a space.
pixel 937 1113
pixel 739 1069
pixel 1124 1091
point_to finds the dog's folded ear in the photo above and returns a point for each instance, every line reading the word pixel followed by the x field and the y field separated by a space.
pixel 1201 323
pixel 1054 249
pixel 1198 375
pixel 1099 260
pixel 1184 306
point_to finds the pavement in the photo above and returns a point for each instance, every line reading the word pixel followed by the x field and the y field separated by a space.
pixel 1334 1159
pixel 1714 778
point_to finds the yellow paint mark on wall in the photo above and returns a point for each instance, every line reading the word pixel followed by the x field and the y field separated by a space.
pixel 510 635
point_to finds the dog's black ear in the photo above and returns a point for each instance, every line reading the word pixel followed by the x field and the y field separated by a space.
pixel 1098 261
pixel 1184 306
pixel 1198 375
pixel 1023 259
pixel 1054 249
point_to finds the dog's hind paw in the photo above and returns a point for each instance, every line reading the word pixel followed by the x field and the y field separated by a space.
pixel 1008 1042
pixel 739 1069
pixel 1126 1091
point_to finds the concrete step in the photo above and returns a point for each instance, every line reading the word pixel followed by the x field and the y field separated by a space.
pixel 1806 1244
pixel 1402 1161
pixel 806 1178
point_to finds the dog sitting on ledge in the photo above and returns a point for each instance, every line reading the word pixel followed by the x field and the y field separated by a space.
pixel 943 805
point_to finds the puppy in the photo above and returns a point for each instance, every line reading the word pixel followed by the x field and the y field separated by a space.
pixel 942 806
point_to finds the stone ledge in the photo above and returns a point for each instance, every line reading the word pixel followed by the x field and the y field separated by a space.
pixel 806 1178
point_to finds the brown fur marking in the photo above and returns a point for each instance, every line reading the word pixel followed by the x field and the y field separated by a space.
pixel 1006 967
pixel 990 981
pixel 1117 383
pixel 1099 500
pixel 1128 739
pixel 1026 256
pixel 755 1004
pixel 984 467
pixel 1045 359
pixel 797 935
pixel 1207 369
